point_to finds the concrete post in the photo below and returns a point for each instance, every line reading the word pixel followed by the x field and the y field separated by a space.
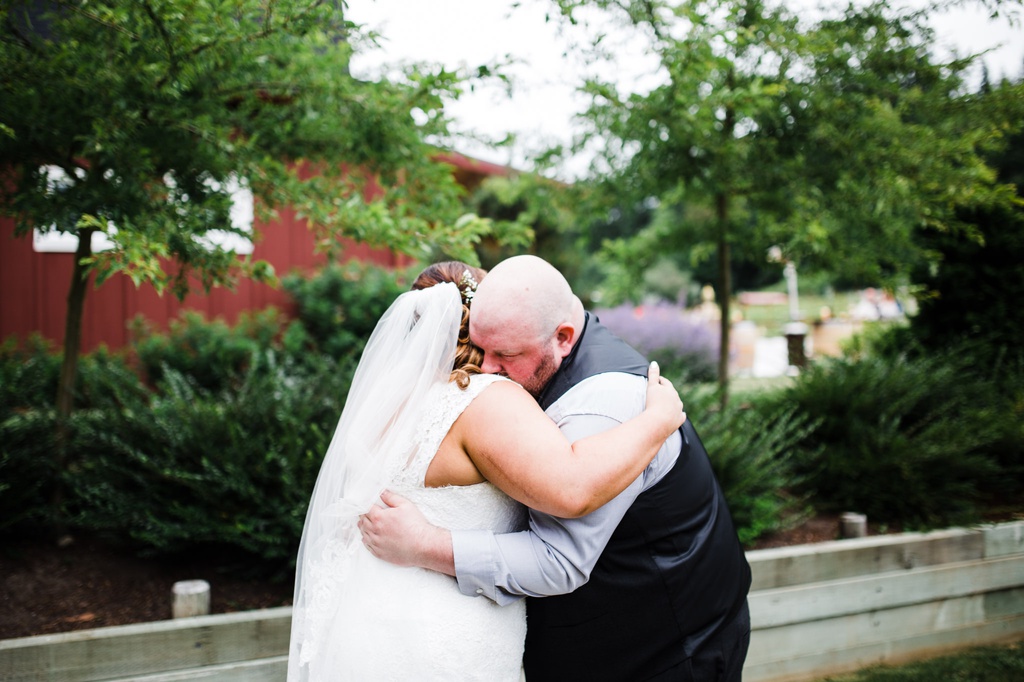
pixel 190 598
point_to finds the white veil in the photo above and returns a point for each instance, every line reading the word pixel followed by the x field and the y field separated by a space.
pixel 411 350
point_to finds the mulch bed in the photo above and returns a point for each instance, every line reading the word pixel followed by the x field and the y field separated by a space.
pixel 46 588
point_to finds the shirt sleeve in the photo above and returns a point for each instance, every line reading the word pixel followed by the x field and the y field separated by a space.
pixel 555 556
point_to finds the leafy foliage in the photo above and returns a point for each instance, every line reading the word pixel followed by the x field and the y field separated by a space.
pixel 195 467
pixel 28 374
pixel 909 440
pixel 339 307
pixel 211 353
pixel 220 449
pixel 752 453
pixel 153 109
pixel 28 421
pixel 972 293
pixel 836 137
pixel 529 212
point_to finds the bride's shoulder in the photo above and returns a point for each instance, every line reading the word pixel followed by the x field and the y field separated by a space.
pixel 505 386
pixel 485 380
pixel 495 391
pixel 450 391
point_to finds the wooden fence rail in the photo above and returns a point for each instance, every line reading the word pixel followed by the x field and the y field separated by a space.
pixel 816 610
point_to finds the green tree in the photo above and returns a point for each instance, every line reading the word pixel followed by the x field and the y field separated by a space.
pixel 538 209
pixel 835 137
pixel 134 117
pixel 972 293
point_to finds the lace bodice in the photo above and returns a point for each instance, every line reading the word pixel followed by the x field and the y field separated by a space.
pixel 445 403
pixel 480 506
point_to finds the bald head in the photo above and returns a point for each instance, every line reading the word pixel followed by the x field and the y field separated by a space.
pixel 525 292
pixel 526 320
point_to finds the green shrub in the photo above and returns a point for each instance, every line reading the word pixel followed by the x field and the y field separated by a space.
pixel 28 421
pixel 1003 414
pixel 27 469
pixel 28 374
pixel 198 468
pixel 901 440
pixel 340 306
pixel 751 453
pixel 211 352
pixel 993 375
pixel 219 448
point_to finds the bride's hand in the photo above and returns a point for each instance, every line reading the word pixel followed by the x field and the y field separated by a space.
pixel 663 399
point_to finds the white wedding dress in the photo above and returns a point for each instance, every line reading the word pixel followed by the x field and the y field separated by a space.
pixel 384 622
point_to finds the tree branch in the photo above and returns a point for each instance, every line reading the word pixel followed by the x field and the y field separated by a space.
pixel 93 17
pixel 168 43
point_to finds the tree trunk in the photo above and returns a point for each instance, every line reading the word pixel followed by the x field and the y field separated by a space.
pixel 69 368
pixel 725 257
pixel 724 294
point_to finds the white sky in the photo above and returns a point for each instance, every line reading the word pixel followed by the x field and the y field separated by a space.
pixel 465 33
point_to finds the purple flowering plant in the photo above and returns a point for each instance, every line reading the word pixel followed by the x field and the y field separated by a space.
pixel 683 343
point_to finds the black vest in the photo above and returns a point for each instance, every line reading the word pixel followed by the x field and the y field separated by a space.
pixel 672 574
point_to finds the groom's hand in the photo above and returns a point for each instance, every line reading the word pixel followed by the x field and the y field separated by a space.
pixel 399 534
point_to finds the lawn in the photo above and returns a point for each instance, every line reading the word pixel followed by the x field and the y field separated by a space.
pixel 982 664
pixel 772 318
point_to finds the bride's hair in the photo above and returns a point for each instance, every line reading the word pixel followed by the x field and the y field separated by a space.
pixel 467 356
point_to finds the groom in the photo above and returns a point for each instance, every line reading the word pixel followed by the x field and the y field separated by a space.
pixel 653 585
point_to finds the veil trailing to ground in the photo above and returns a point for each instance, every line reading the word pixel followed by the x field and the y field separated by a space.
pixel 411 350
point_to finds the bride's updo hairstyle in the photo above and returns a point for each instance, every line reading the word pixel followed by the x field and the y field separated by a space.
pixel 466 277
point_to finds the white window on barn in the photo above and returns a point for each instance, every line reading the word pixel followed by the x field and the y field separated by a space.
pixel 242 212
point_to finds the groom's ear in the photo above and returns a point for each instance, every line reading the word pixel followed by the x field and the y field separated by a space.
pixel 566 335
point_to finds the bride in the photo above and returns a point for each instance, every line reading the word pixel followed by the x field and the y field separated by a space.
pixel 471 450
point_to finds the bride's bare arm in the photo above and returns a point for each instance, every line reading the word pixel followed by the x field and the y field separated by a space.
pixel 519 449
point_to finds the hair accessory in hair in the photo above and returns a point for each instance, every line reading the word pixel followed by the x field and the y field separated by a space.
pixel 467 285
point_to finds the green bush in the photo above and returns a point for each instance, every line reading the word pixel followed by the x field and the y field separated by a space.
pixel 27 470
pixel 339 307
pixel 198 468
pixel 751 453
pixel 211 352
pixel 994 377
pixel 899 439
pixel 28 421
pixel 1002 413
pixel 28 389
pixel 28 374
pixel 219 448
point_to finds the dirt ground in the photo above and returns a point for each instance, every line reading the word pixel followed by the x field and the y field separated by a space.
pixel 46 588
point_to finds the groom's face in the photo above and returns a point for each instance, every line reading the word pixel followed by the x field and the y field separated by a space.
pixel 517 354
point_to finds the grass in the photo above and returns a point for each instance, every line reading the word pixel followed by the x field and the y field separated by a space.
pixel 774 317
pixel 981 664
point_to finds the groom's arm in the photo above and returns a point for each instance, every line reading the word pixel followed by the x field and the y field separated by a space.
pixel 556 555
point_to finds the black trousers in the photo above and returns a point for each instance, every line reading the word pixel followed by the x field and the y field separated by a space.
pixel 720 659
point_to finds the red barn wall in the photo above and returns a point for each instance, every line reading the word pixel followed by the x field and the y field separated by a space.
pixel 34 286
